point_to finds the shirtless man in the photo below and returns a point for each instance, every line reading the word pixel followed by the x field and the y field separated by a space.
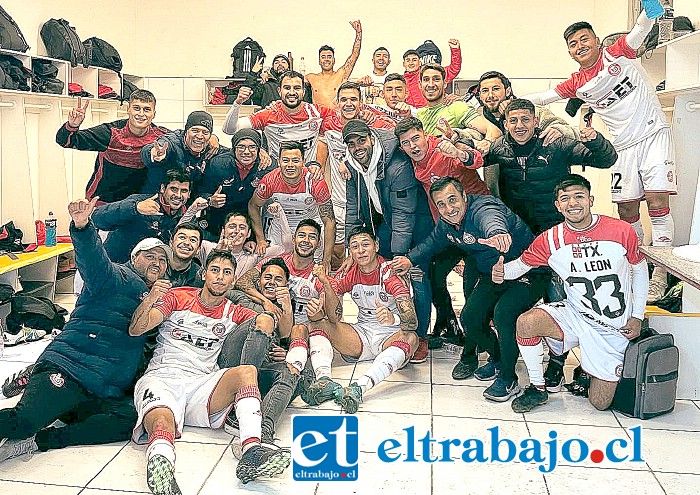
pixel 326 83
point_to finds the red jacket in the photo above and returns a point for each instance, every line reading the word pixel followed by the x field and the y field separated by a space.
pixel 415 97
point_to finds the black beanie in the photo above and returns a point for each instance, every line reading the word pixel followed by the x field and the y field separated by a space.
pixel 200 118
pixel 284 57
pixel 242 134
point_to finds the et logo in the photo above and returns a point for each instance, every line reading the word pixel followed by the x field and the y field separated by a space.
pixel 325 448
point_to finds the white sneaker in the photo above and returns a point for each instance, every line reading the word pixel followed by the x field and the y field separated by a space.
pixel 658 285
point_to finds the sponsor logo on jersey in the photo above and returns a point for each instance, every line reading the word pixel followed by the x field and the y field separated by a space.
pixel 583 238
pixel 219 329
pixel 200 323
pixel 194 340
pixel 228 182
pixel 154 225
pixel 614 69
pixel 57 380
pixel 468 238
pixel 451 238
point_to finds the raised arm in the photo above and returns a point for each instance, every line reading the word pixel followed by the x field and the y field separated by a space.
pixel 349 64
pixel 644 23
pixel 232 123
pixel 146 316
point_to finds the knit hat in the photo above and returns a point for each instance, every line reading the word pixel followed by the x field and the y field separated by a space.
pixel 200 118
pixel 242 134
pixel 284 57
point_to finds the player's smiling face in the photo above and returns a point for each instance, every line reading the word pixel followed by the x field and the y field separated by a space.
pixel 492 92
pixel 185 244
pixel 432 85
pixel 394 92
pixel 521 125
pixel 349 103
pixel 360 148
pixel 575 204
pixel 291 164
pixel 272 277
pixel 218 278
pixel 414 143
pixel 363 250
pixel 380 60
pixel 451 204
pixel 305 241
pixel 150 265
pixel 326 60
pixel 175 194
pixel 584 47
pixel 291 91
pixel 411 63
pixel 236 231
pixel 140 114
pixel 197 138
pixel 246 152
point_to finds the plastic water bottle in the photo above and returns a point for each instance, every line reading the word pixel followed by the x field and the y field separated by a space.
pixel 302 66
pixel 50 230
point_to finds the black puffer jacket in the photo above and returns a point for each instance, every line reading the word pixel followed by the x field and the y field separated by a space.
pixel 528 173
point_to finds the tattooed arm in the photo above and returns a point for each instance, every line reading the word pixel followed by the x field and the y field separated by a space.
pixel 249 283
pixel 325 210
pixel 407 314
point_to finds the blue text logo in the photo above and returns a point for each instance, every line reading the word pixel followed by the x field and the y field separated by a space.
pixel 325 448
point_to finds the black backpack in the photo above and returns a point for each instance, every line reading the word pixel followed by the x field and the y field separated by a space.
pixel 11 238
pixel 244 54
pixel 63 42
pixel 429 53
pixel 17 73
pixel 103 54
pixel 11 38
pixel 35 312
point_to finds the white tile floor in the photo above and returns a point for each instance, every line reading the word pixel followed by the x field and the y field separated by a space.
pixel 423 396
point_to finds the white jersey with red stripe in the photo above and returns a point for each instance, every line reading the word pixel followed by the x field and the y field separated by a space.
pixel 191 336
pixel 619 90
pixel 594 264
pixel 367 289
pixel 337 151
pixel 305 132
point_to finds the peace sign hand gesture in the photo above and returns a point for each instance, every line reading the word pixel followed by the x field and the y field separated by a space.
pixel 77 114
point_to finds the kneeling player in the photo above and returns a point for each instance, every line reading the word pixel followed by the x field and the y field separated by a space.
pixel 385 329
pixel 183 384
pixel 604 306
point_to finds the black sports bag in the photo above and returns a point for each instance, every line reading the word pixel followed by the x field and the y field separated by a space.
pixel 62 42
pixel 11 38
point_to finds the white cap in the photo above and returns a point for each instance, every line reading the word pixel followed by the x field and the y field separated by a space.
pixel 149 243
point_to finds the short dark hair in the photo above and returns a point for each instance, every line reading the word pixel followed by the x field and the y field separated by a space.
pixel 362 230
pixel 310 222
pixel 394 77
pixel 188 226
pixel 291 74
pixel 142 95
pixel 326 48
pixel 570 181
pixel 349 85
pixel 239 213
pixel 432 66
pixel 520 104
pixel 381 48
pixel 577 26
pixel 406 125
pixel 443 182
pixel 218 254
pixel 276 262
pixel 410 52
pixel 175 175
pixel 494 74
pixel 292 145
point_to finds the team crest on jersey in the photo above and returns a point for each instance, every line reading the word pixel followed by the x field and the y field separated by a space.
pixel 468 238
pixel 57 380
pixel 143 295
pixel 254 182
pixel 155 225
pixel 614 69
pixel 434 177
pixel 313 125
pixel 309 201
pixel 618 370
pixel 204 224
pixel 383 297
pixel 219 329
pixel 261 188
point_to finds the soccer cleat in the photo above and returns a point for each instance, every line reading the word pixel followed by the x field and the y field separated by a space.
pixel 320 391
pixel 421 354
pixel 15 384
pixel 465 369
pixel 25 335
pixel 554 377
pixel 530 399
pixel 260 461
pixel 501 390
pixel 657 289
pixel 9 449
pixel 350 399
pixel 160 476
pixel 488 372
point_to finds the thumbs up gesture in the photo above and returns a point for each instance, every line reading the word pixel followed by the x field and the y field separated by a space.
pixel 314 308
pixel 384 316
pixel 498 272
pixel 80 211
pixel 218 199
pixel 77 114
pixel 149 206
pixel 159 151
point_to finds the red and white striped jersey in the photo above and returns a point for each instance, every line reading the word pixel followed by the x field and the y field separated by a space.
pixel 619 90
pixel 191 336
pixel 594 264
pixel 370 289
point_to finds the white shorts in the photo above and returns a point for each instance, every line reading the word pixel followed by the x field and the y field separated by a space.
pixel 602 350
pixel 373 337
pixel 648 166
pixel 187 397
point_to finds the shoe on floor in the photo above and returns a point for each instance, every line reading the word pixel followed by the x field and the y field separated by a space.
pixel 531 398
pixel 554 377
pixel 320 391
pixel 488 372
pixel 350 399
pixel 9 449
pixel 464 369
pixel 421 354
pixel 160 476
pixel 435 342
pixel 260 460
pixel 25 335
pixel 501 390
pixel 15 384
pixel 658 284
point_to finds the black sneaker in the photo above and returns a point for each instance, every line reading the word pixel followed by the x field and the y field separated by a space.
pixel 554 377
pixel 502 390
pixel 16 383
pixel 260 461
pixel 160 476
pixel 9 449
pixel 488 372
pixel 320 391
pixel 531 398
pixel 464 370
